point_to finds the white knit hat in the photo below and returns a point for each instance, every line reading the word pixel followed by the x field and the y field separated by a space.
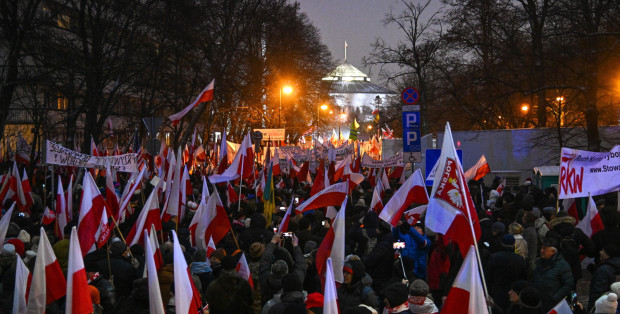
pixel 24 236
pixel 606 304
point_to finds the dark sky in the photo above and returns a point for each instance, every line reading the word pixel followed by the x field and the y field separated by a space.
pixel 359 22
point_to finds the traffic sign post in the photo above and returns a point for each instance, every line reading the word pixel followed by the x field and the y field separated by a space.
pixel 411 126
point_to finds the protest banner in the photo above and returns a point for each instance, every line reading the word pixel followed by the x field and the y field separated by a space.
pixel 584 172
pixel 394 161
pixel 56 154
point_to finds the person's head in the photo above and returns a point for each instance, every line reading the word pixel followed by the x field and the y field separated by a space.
pixel 200 255
pixel 347 273
pixel 279 269
pixel 516 288
pixel 419 288
pixel 609 250
pixel 419 227
pixel 118 249
pixel 396 294
pixel 515 228
pixel 217 256
pixel 529 298
pixel 549 248
pixel 607 304
pixel 497 227
pixel 94 294
pixel 508 241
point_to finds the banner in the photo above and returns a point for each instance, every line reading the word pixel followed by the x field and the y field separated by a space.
pixel 583 172
pixel 272 134
pixel 58 155
pixel 394 161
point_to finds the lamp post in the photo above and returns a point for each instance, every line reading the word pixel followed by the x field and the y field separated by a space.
pixel 341 119
pixel 287 90
pixel 318 116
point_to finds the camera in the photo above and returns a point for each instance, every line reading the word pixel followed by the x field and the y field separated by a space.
pixel 398 245
pixel 21 215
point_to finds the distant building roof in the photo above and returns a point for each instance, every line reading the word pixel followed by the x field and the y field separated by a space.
pixel 347 79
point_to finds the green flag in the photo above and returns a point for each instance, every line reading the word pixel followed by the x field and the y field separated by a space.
pixel 353 132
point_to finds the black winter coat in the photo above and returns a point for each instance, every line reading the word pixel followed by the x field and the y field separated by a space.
pixel 602 278
pixel 553 278
pixel 379 262
pixel 502 269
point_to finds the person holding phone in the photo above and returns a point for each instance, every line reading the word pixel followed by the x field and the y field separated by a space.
pixel 417 245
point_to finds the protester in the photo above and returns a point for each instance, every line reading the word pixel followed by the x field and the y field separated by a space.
pixel 552 276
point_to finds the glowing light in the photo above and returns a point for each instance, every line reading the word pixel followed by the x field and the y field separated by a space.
pixel 287 89
pixel 525 108
pixel 323 107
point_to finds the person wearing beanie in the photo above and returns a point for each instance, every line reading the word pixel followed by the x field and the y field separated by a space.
pixel 275 263
pixel 292 293
pixel 229 293
pixel 20 248
pixel 201 268
pixel 379 261
pixel 514 292
pixel 396 297
pixel 314 303
pixel 123 272
pixel 606 304
pixel 498 279
pixel 552 276
pixel 605 273
pixel 498 229
pixel 419 298
pixel 529 302
pixel 355 290
pixel 417 245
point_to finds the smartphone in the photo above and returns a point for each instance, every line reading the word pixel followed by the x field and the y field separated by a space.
pixel 486 244
pixel 287 234
pixel 398 245
pixel 282 208
pixel 323 222
pixel 296 200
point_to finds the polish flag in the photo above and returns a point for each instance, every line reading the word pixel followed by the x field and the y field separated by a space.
pixel 205 95
pixel 231 195
pixel 330 196
pixel 244 270
pixel 285 220
pixel 339 168
pixel 450 210
pixel 413 191
pixel 384 179
pixel 186 297
pixel 4 224
pixel 185 187
pixel 570 206
pixel 27 192
pixel 397 172
pixel 16 185
pixel 23 280
pixel 242 165
pixel 223 158
pixel 376 204
pixel 466 294
pixel 354 178
pixel 94 152
pixel 319 180
pixel 333 246
pixel 48 216
pixel 78 295
pixel 156 304
pixel 173 203
pixel 61 211
pixel 200 155
pixel 9 187
pixel 591 222
pixel 330 298
pixel 159 260
pixel 130 188
pixel 413 215
pixel 196 219
pixel 205 187
pixel 48 281
pixel 111 199
pixel 93 229
pixel 561 308
pixel 500 187
pixel 213 222
pixel 149 216
pixel 69 200
pixel 172 161
pixel 372 176
pixel 479 170
pixel 210 247
pixel 276 162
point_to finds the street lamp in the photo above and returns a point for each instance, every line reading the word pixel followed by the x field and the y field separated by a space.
pixel 318 116
pixel 343 116
pixel 287 90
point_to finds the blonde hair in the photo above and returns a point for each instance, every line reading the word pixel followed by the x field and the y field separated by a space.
pixel 515 228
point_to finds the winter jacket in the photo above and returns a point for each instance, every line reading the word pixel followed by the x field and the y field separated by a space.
pixel 256 233
pixel 502 269
pixel 602 278
pixel 416 247
pixel 203 271
pixel 229 294
pixel 553 278
pixel 531 237
pixel 166 278
pixel 107 293
pixel 123 272
pixel 269 284
pixel 379 261
pixel 284 300
pixel 521 246
pixel 354 294
pixel 570 240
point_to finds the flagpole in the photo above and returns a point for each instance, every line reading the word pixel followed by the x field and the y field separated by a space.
pixel 473 234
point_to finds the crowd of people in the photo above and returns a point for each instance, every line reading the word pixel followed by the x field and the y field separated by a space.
pixel 531 252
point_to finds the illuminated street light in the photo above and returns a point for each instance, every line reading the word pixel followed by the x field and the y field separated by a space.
pixel 287 90
pixel 525 108
pixel 318 116
pixel 370 127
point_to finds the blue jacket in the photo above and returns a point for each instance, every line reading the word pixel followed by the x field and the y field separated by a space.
pixel 416 247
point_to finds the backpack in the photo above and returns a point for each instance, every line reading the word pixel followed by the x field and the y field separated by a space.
pixel 370 242
pixel 569 247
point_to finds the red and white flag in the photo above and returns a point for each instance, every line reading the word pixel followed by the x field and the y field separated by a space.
pixel 173 203
pixel 479 170
pixel 185 187
pixel 69 200
pixel 4 224
pixel 186 297
pixel 48 216
pixel 330 196
pixel 149 216
pixel 61 211
pixel 466 294
pixel 276 162
pixel 222 161
pixel 570 206
pixel 244 270
pixel 78 295
pixel 93 229
pixel 450 210
pixel 561 308
pixel 413 215
pixel 333 246
pixel 285 220
pixel 156 304
pixel 231 196
pixel 27 192
pixel 501 187
pixel 591 222
pixel 205 187
pixel 111 199
pixel 319 180
pixel 330 298
pixel 413 191
pixel 210 247
pixel 130 188
pixel 242 165
pixel 196 219
pixel 48 281
pixel 213 222
pixel 354 178
pixel 22 284
pixel 376 204
pixel 205 95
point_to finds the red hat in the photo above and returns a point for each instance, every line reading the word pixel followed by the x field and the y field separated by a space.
pixel 19 246
pixel 313 300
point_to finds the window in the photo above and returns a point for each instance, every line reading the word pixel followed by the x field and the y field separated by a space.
pixel 63 102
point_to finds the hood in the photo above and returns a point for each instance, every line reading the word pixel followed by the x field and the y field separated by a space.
pixel 560 220
pixel 258 221
pixel 293 297
pixel 359 271
pixel 614 262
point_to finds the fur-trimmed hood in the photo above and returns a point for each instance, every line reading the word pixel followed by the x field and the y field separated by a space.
pixel 565 219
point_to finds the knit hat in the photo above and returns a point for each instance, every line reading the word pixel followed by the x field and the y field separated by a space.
pixel 8 249
pixel 612 250
pixel 607 304
pixel 396 294
pixel 550 242
pixel 256 250
pixel 279 269
pixel 309 246
pixel 529 298
pixel 94 294
pixel 314 300
pixel 117 248
pixel 20 249
pixel 498 227
pixel 615 287
pixel 24 236
pixel 508 240
pixel 228 263
pixel 536 212
pixel 291 282
pixel 419 288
